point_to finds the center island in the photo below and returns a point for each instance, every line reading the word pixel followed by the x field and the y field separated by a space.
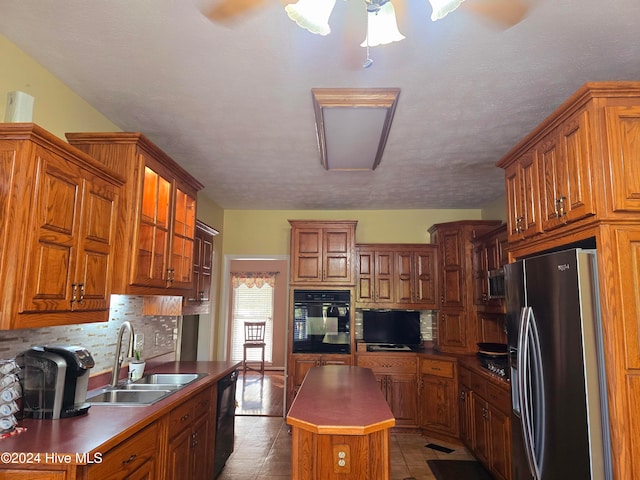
pixel 340 426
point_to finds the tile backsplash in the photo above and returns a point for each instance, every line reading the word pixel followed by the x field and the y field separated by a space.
pixel 160 334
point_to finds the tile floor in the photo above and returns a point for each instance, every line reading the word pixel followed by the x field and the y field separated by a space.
pixel 263 451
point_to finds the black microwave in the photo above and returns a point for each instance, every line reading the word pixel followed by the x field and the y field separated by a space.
pixel 495 284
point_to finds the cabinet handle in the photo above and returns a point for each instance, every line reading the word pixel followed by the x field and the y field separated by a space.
pixel 81 300
pixel 561 207
pixel 184 418
pixel 170 276
pixel 194 439
pixel 463 396
pixel 201 296
pixel 130 459
pixel 74 293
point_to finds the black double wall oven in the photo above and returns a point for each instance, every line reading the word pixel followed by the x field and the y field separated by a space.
pixel 322 321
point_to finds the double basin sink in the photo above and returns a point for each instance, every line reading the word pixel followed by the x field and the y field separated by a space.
pixel 145 391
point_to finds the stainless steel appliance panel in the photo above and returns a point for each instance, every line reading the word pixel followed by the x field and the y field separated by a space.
pixel 556 368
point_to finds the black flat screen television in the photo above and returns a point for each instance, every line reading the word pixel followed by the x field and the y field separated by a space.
pixel 395 327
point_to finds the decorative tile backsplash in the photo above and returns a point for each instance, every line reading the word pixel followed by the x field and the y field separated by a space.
pixel 160 334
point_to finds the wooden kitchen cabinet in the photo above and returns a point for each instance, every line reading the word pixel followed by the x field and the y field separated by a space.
pixel 134 458
pixel 191 438
pixel 523 196
pixel 322 253
pixel 299 364
pixel 601 121
pixel 398 380
pixel 396 276
pixel 488 255
pixel 438 394
pixel 457 328
pixel 59 240
pixel 485 428
pixel 199 299
pixel 157 215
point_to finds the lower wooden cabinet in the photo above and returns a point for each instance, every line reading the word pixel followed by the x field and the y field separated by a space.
pixel 398 380
pixel 484 407
pixel 191 437
pixel 300 364
pixel 33 475
pixel 438 393
pixel 135 458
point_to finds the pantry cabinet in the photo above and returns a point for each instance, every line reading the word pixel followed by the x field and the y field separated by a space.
pixel 323 253
pixel 157 217
pixel 587 154
pixel 398 380
pixel 400 276
pixel 58 226
pixel 457 329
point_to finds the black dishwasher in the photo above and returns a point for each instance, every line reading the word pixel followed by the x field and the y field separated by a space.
pixel 225 421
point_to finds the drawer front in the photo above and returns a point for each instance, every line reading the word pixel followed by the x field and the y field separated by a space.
pixel 384 364
pixel 121 461
pixel 181 417
pixel 440 368
pixel 499 397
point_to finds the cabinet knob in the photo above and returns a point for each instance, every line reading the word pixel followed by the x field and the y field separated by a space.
pixel 81 299
pixel 131 458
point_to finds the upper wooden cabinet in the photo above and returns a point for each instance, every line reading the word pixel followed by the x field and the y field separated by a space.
pixel 457 328
pixel 198 301
pixel 58 212
pixel 489 255
pixel 579 165
pixel 396 275
pixel 322 252
pixel 157 215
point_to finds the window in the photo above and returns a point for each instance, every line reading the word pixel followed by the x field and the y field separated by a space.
pixel 251 302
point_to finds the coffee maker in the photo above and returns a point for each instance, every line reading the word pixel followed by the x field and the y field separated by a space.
pixel 55 381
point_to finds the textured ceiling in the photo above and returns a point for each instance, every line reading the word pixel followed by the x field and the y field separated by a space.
pixel 232 103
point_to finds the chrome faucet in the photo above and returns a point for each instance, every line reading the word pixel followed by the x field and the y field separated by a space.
pixel 117 361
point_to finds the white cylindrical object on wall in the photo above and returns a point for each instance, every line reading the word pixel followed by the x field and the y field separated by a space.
pixel 19 107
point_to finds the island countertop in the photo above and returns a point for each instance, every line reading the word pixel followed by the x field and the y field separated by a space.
pixel 340 400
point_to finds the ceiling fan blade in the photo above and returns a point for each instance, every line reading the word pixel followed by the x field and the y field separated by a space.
pixel 227 10
pixel 505 12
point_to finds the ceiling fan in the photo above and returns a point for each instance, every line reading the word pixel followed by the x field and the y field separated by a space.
pixel 505 12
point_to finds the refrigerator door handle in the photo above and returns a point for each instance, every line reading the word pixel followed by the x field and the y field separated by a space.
pixel 530 385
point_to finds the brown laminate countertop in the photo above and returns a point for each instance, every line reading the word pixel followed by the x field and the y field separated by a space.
pixel 340 400
pixel 105 426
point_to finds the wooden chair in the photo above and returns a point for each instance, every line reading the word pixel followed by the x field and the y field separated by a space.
pixel 254 338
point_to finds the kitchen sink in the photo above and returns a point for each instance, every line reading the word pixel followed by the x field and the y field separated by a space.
pixel 145 391
pixel 169 378
pixel 124 397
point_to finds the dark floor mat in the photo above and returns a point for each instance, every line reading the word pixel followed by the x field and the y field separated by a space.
pixel 458 470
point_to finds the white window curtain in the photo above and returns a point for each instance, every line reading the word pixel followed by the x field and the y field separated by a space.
pixel 252 302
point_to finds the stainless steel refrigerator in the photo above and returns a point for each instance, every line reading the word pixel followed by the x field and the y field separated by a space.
pixel 559 419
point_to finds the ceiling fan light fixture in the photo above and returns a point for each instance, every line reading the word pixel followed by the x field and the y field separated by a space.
pixel 441 8
pixel 312 15
pixel 382 27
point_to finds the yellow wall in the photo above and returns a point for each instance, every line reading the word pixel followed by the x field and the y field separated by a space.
pixel 56 107
pixel 266 232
